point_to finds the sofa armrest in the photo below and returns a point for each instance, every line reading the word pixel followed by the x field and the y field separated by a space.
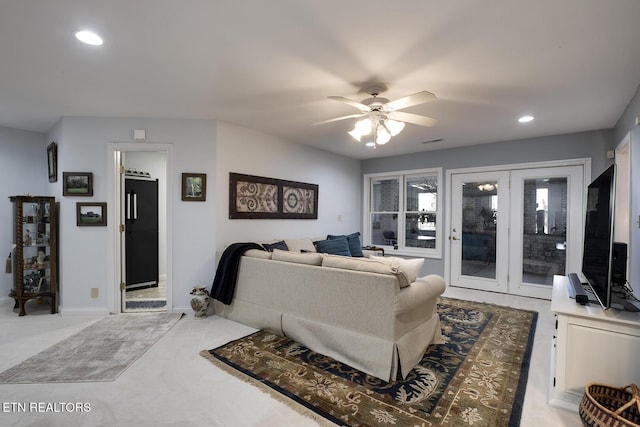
pixel 411 301
pixel 368 253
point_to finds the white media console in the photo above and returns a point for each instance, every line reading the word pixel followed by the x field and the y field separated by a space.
pixel 590 345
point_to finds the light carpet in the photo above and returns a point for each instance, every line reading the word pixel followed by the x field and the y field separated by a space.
pixel 100 352
pixel 477 378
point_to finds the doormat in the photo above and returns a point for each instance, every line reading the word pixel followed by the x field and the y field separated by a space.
pixel 146 304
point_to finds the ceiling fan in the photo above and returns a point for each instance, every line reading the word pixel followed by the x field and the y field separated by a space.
pixel 380 117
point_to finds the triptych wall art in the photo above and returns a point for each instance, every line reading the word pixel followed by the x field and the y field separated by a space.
pixel 256 197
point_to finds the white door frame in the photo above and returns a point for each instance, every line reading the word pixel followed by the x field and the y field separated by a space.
pixel 623 229
pixel 585 162
pixel 115 210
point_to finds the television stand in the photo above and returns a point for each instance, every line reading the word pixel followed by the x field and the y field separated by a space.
pixel 590 344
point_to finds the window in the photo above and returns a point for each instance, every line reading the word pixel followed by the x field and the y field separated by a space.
pixel 402 212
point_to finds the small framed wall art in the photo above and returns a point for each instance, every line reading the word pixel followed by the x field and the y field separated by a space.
pixel 52 161
pixel 194 187
pixel 77 184
pixel 91 214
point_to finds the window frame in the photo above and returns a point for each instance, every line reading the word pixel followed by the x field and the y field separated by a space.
pixel 401 176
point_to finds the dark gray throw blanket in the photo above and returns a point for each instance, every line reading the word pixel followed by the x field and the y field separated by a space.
pixel 224 284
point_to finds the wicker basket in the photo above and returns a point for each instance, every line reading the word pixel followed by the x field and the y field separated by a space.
pixel 604 405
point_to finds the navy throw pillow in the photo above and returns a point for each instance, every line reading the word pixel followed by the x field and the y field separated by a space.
pixel 338 246
pixel 277 245
pixel 355 247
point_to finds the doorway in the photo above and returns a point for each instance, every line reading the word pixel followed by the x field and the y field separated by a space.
pixel 134 167
pixel 623 212
pixel 144 264
pixel 512 230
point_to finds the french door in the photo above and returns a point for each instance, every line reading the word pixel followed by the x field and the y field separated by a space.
pixel 513 230
pixel 479 230
pixel 546 227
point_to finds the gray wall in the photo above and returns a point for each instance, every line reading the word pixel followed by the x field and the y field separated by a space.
pixel 199 229
pixel 593 144
pixel 23 169
pixel 86 253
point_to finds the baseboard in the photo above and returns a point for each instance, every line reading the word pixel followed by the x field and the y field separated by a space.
pixel 185 309
pixel 88 311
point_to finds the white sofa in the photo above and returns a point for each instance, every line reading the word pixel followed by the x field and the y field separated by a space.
pixel 372 315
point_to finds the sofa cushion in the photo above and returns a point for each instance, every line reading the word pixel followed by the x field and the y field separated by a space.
pixel 355 247
pixel 366 265
pixel 409 268
pixel 257 253
pixel 300 245
pixel 337 246
pixel 276 245
pixel 310 258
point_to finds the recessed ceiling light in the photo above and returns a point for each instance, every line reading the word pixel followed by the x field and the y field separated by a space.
pixel 89 37
pixel 525 119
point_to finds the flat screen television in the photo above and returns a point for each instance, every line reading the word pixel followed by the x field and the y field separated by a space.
pixel 597 259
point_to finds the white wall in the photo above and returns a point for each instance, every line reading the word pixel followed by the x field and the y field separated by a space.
pixel 246 151
pixel 199 228
pixel 84 251
pixel 23 169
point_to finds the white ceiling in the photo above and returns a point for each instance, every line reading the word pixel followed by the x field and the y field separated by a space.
pixel 270 65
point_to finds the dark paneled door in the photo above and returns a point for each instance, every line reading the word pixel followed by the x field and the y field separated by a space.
pixel 141 233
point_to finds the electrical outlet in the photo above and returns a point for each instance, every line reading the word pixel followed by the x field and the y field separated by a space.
pixel 94 292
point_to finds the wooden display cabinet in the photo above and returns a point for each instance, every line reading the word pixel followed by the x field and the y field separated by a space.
pixel 35 258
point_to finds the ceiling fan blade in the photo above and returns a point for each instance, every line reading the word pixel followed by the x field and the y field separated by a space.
pixel 360 106
pixel 411 100
pixel 412 118
pixel 351 116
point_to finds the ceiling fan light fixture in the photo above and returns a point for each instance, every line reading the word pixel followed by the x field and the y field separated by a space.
pixel 378 116
pixel 393 126
pixel 363 126
pixel 355 134
pixel 382 136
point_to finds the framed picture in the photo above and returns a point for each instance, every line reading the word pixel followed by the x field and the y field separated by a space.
pixel 91 214
pixel 257 197
pixel 52 161
pixel 194 187
pixel 77 184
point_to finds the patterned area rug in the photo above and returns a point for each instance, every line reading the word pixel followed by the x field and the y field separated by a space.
pixel 477 378
pixel 99 352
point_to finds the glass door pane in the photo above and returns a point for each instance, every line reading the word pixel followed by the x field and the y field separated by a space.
pixel 546 227
pixel 480 207
pixel 544 233
pixel 479 230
